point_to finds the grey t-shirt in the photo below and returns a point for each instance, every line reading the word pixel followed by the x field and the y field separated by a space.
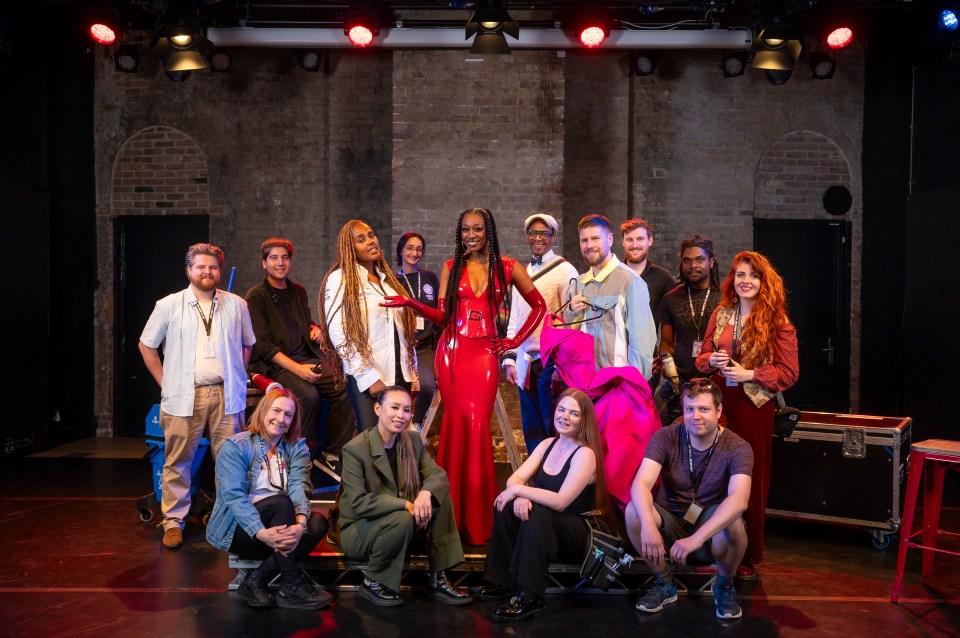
pixel 669 448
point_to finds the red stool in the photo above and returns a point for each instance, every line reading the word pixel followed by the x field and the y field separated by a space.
pixel 936 456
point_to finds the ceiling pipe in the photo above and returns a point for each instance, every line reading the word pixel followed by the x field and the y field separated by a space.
pixel 740 38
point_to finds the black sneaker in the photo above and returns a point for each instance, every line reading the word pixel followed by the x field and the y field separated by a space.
pixel 302 596
pixel 255 592
pixel 327 466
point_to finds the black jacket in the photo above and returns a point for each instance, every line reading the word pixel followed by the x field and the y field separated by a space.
pixel 270 330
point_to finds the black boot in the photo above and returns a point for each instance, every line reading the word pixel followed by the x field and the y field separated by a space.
pixel 443 590
pixel 254 590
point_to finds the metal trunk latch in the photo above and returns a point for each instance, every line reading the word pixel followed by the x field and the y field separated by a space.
pixel 854 446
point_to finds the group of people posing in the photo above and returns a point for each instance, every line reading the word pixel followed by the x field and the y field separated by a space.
pixel 385 341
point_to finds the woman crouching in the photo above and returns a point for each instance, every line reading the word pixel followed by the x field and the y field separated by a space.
pixel 393 494
pixel 263 510
pixel 534 526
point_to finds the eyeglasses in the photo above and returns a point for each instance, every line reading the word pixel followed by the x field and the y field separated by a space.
pixel 697 384
pixel 418 250
pixel 545 234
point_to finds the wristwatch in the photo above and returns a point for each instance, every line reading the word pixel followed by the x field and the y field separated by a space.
pixel 302 524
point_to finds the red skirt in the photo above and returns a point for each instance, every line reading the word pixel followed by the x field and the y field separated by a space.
pixel 467 377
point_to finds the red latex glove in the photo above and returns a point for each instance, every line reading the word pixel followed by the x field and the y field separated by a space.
pixel 434 315
pixel 538 308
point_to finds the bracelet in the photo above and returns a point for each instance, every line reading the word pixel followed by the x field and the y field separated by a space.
pixel 303 525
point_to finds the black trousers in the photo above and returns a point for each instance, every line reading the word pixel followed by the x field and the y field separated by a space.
pixel 341 421
pixel 520 552
pixel 274 511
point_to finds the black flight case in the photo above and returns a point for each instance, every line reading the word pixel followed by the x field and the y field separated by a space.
pixel 842 469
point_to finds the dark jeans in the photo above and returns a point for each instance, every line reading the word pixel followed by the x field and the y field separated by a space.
pixel 428 383
pixel 520 552
pixel 274 511
pixel 340 422
pixel 537 404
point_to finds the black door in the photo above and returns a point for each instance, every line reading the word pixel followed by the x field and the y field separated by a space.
pixel 813 257
pixel 150 265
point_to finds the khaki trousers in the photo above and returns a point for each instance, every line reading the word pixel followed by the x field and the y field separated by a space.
pixel 182 437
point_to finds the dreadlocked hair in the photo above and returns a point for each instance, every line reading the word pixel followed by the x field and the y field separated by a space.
pixel 496 277
pixel 352 314
pixel 768 313
pixel 408 468
pixel 706 245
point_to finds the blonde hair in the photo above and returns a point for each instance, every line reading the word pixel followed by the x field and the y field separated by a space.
pixel 259 416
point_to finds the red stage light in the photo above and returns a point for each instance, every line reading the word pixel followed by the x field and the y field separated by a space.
pixel 360 35
pixel 839 37
pixel 102 34
pixel 592 37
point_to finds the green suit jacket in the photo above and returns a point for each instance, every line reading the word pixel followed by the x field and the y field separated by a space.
pixel 369 486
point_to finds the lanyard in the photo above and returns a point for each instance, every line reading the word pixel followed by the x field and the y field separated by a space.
pixel 410 286
pixel 737 330
pixel 695 483
pixel 207 325
pixel 265 463
pixel 703 309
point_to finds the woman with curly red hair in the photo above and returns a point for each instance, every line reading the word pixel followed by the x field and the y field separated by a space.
pixel 751 351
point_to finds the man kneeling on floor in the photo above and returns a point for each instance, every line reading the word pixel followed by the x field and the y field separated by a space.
pixel 705 474
pixel 393 495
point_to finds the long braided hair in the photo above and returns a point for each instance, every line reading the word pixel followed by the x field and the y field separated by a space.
pixel 769 312
pixel 353 314
pixel 496 277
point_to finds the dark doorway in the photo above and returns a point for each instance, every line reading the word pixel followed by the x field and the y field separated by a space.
pixel 813 257
pixel 149 266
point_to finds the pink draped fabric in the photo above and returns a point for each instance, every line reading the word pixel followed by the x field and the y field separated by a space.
pixel 626 414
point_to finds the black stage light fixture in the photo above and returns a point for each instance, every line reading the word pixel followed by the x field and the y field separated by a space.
pixel 734 64
pixel 645 62
pixel 220 60
pixel 308 59
pixel 177 76
pixel 776 47
pixel 179 41
pixel 592 28
pixel 489 23
pixel 822 65
pixel 127 58
pixel 777 77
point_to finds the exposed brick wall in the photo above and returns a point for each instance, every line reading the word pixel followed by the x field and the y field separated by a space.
pixel 408 139
pixel 288 153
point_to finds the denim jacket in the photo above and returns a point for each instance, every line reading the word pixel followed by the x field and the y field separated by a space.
pixel 237 470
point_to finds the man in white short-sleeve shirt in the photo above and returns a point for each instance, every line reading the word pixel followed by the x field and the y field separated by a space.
pixel 207 338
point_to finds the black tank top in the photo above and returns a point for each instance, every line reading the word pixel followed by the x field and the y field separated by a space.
pixel 553 483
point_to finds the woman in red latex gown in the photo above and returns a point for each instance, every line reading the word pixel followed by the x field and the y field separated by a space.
pixel 474 288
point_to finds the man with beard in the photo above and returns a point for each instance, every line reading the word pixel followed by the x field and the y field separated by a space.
pixel 636 235
pixel 551 274
pixel 612 305
pixel 288 352
pixel 207 338
pixel 684 313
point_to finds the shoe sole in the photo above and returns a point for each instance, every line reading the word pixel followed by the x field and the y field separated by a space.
pixel 726 616
pixel 531 614
pixel 433 594
pixel 663 603
pixel 326 470
pixel 379 602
